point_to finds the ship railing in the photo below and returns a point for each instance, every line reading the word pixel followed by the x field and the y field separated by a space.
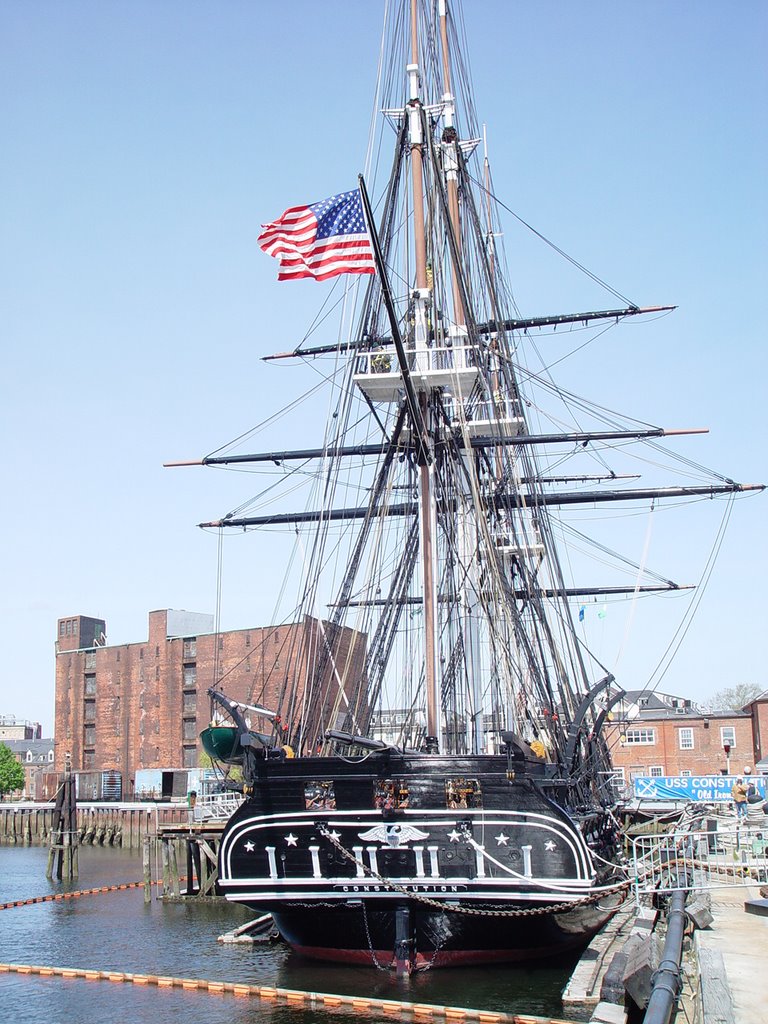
pixel 453 366
pixel 719 855
pixel 432 358
pixel 499 416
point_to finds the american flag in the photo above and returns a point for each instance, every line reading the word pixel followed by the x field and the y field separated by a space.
pixel 320 240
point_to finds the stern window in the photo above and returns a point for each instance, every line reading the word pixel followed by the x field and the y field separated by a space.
pixel 320 796
pixel 461 793
pixel 390 794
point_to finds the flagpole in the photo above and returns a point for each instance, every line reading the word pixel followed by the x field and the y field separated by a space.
pixel 410 394
pixel 417 410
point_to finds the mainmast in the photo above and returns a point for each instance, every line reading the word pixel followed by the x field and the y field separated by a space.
pixel 466 531
pixel 421 298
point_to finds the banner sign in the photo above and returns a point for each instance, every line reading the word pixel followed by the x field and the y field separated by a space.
pixel 707 789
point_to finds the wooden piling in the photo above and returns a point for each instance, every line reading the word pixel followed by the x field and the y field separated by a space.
pixel 147 862
pixel 166 879
pixel 174 866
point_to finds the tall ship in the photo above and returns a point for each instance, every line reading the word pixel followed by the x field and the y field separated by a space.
pixel 431 785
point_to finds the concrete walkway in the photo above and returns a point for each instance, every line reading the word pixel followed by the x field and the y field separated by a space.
pixel 738 943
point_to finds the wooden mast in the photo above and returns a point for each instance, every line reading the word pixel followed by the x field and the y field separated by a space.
pixel 451 167
pixel 467 532
pixel 421 299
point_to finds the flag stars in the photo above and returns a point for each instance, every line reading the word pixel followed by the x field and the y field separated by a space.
pixel 549 845
pixel 291 839
pixel 501 839
pixel 249 847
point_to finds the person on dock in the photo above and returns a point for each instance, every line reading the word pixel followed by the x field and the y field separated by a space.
pixel 192 800
pixel 739 796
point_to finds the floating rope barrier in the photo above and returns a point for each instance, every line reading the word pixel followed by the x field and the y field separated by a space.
pixel 51 897
pixel 291 997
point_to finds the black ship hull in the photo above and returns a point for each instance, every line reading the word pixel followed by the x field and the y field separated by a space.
pixel 367 936
pixel 418 860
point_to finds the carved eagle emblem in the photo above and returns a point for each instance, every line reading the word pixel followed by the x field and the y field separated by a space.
pixel 392 835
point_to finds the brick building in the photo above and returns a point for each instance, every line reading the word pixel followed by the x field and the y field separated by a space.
pixel 656 734
pixel 143 705
pixel 36 757
pixel 12 729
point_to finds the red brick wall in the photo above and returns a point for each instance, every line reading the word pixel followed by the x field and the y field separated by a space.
pixel 760 728
pixel 706 757
pixel 150 698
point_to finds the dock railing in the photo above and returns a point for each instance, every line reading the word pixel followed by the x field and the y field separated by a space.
pixel 216 806
pixel 719 855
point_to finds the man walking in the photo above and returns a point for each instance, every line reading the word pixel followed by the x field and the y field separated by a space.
pixel 739 796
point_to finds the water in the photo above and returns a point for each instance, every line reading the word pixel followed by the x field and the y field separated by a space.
pixel 118 932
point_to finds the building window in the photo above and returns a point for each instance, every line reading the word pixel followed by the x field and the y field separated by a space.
pixel 157 671
pixel 157 651
pixel 685 773
pixel 89 735
pixel 50 756
pixel 89 759
pixel 656 771
pixel 29 755
pixel 190 676
pixel 190 729
pixel 189 703
pixel 686 739
pixel 62 628
pixel 641 737
pixel 89 711
pixel 190 757
pixel 190 647
pixel 728 736
pixel 247 639
pixel 89 686
pixel 90 659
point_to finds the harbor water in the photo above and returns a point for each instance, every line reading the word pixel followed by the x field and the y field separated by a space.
pixel 118 931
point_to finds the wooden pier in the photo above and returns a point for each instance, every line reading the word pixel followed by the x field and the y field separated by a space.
pixel 99 824
pixel 184 859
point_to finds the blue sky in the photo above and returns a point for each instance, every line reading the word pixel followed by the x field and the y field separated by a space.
pixel 145 142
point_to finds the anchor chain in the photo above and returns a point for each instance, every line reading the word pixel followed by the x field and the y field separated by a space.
pixel 552 908
pixel 379 966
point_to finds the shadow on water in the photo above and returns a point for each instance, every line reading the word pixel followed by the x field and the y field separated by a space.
pixel 119 932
